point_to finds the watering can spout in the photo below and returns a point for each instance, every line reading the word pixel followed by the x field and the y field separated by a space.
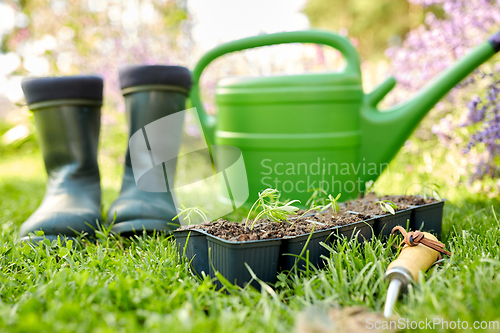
pixel 383 133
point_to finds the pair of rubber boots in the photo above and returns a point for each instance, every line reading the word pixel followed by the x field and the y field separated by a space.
pixel 67 114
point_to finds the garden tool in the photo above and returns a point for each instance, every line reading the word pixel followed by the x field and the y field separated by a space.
pixel 420 251
pixel 151 93
pixel 302 132
pixel 67 118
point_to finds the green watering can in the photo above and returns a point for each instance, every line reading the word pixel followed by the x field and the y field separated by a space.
pixel 298 133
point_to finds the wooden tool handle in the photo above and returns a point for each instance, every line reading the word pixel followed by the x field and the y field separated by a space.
pixel 416 258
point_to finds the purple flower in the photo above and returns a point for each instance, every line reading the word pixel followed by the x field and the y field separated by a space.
pixel 429 49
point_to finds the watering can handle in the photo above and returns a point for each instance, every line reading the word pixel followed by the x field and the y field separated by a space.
pixel 336 41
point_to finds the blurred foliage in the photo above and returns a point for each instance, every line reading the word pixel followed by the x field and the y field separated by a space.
pixel 466 122
pixel 71 37
pixel 68 37
pixel 93 20
pixel 99 36
pixel 374 25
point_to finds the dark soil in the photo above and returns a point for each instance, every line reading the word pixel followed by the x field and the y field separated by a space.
pixel 367 204
pixel 265 229
pixel 350 212
pixel 341 213
pixel 349 217
pixel 368 208
pixel 409 200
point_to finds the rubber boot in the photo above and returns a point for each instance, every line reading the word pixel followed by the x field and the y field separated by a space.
pixel 67 118
pixel 151 93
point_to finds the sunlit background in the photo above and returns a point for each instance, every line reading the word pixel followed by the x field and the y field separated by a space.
pixel 64 37
pixel 141 284
pixel 412 40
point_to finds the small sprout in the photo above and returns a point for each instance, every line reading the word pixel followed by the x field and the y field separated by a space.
pixel 387 206
pixel 312 208
pixel 318 197
pixel 271 207
pixel 333 204
pixel 270 194
pixel 279 213
pixel 186 213
pixel 433 188
pixel 369 187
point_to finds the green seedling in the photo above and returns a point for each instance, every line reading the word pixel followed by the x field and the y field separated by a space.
pixel 369 187
pixel 312 208
pixel 333 204
pixel 387 206
pixel 318 198
pixel 186 213
pixel 431 188
pixel 271 207
pixel 319 195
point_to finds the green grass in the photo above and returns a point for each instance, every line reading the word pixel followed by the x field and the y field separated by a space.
pixel 142 285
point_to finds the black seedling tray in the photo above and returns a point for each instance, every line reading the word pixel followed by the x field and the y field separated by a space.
pixel 266 257
pixel 384 224
pixel 229 259
pixel 428 217
pixel 363 230
pixel 196 250
pixel 292 247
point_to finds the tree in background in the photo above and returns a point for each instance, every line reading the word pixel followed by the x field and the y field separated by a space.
pixel 372 24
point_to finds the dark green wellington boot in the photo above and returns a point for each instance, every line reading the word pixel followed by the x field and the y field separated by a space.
pixel 151 93
pixel 67 116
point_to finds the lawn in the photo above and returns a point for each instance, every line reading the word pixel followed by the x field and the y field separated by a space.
pixel 142 285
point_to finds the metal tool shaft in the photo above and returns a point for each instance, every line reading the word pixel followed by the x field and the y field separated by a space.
pixel 404 270
pixel 392 296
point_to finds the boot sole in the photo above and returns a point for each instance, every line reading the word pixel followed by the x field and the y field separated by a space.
pixel 136 227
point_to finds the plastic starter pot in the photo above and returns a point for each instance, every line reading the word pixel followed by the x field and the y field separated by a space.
pixel 211 254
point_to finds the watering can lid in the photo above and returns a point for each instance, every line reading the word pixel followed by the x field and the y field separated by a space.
pixel 309 79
